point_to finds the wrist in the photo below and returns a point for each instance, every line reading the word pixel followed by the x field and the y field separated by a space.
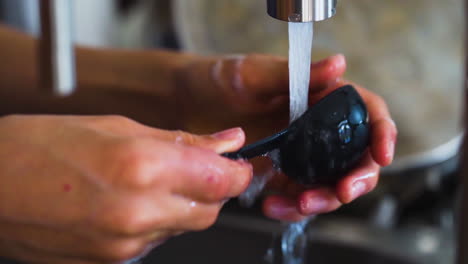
pixel 140 71
pixel 148 81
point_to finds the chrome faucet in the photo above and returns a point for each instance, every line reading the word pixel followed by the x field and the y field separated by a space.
pixel 301 10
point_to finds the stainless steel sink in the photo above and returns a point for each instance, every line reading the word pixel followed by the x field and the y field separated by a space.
pixel 242 239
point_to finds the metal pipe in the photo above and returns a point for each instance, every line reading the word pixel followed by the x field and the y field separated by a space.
pixel 56 49
pixel 301 10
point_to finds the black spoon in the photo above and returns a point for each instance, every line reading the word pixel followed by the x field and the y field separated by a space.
pixel 323 144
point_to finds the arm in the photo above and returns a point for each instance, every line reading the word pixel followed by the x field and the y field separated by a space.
pixel 109 82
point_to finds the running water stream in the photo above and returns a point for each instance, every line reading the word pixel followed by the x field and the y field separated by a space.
pixel 300 46
pixel 294 239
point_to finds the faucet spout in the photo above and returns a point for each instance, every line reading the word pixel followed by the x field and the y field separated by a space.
pixel 301 10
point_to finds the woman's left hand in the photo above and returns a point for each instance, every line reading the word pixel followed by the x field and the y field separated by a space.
pixel 252 92
pixel 296 202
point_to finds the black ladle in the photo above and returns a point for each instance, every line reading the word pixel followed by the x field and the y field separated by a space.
pixel 323 144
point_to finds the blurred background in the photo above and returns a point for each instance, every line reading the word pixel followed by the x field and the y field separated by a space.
pixel 410 52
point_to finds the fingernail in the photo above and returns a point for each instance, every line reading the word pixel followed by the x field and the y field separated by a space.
pixel 358 189
pixel 341 59
pixel 230 134
pixel 314 205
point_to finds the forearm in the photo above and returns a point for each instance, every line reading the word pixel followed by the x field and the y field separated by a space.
pixel 109 82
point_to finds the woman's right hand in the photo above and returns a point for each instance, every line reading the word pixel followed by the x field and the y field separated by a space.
pixel 85 190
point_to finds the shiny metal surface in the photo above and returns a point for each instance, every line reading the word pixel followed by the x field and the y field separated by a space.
pixel 438 155
pixel 57 65
pixel 301 10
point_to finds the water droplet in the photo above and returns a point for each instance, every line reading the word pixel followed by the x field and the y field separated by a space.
pixel 270 256
pixel 275 158
pixel 248 198
pixel 179 140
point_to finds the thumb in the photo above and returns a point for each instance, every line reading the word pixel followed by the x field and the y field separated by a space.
pixel 225 141
pixel 326 70
pixel 268 76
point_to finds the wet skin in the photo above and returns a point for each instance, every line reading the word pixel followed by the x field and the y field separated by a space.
pixel 252 92
pixel 89 190
pixel 322 145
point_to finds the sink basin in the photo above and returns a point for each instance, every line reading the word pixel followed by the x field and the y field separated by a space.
pixel 220 245
pixel 247 239
pixel 235 240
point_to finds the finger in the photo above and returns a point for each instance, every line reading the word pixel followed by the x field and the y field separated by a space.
pixel 281 208
pixel 359 181
pixel 225 141
pixel 383 140
pixel 265 75
pixel 282 183
pixel 317 201
pixel 268 75
pixel 156 220
pixel 384 131
pixel 383 128
pixel 326 71
pixel 208 177
pixel 153 217
pixel 194 172
pixel 200 217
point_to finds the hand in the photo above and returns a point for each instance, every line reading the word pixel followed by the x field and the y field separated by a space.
pixel 252 92
pixel 297 202
pixel 106 189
